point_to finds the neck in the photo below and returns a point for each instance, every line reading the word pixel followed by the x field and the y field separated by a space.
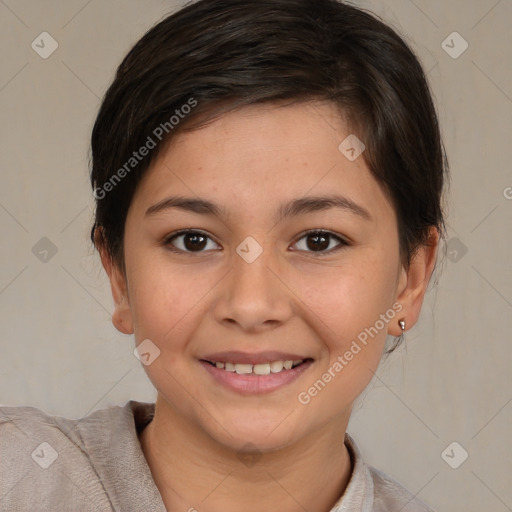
pixel 194 472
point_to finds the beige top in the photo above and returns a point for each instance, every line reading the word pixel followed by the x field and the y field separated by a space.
pixel 49 463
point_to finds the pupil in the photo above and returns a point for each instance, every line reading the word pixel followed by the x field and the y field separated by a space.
pixel 194 239
pixel 317 244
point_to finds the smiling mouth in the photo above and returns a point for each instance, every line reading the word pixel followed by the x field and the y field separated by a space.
pixel 258 369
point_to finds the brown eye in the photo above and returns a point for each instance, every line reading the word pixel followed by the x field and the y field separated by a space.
pixel 188 241
pixel 321 242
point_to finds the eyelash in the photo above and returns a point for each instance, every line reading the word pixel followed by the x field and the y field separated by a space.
pixel 321 232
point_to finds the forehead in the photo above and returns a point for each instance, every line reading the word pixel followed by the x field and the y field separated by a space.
pixel 256 157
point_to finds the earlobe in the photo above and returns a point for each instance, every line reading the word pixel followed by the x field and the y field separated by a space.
pixel 414 281
pixel 122 316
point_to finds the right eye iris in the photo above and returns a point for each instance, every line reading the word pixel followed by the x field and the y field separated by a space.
pixel 188 241
pixel 319 242
pixel 193 242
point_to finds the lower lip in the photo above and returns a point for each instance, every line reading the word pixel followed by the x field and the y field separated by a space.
pixel 251 384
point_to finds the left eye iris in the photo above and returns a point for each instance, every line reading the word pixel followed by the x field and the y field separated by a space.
pixel 318 241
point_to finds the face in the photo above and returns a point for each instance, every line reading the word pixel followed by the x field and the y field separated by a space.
pixel 257 275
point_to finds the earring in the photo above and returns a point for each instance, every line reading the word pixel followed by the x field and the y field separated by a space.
pixel 402 325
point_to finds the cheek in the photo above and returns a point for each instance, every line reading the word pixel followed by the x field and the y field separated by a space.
pixel 345 313
pixel 168 302
pixel 347 297
pixel 350 308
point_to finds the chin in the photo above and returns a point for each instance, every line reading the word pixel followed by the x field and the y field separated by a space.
pixel 256 432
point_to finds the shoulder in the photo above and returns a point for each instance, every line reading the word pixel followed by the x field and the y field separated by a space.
pixel 371 489
pixel 26 425
pixel 51 454
pixel 20 427
pixel 390 494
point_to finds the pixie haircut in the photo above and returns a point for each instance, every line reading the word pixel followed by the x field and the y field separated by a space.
pixel 213 56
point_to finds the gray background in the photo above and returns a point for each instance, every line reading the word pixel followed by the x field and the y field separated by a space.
pixel 450 382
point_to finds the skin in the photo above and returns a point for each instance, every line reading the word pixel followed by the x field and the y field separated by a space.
pixel 291 299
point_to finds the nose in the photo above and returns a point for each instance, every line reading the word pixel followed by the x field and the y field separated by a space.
pixel 254 296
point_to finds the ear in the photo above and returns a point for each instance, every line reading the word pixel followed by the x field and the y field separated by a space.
pixel 122 315
pixel 413 282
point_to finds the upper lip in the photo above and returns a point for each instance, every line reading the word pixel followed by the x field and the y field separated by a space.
pixel 255 358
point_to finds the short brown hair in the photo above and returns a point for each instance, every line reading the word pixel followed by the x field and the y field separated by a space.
pixel 223 54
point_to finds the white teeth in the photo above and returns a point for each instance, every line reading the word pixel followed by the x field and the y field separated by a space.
pixel 261 369
pixel 258 369
pixel 243 368
pixel 276 366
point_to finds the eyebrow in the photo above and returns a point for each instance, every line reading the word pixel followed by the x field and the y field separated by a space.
pixel 293 208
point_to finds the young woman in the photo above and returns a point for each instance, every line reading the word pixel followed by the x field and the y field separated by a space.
pixel 268 179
